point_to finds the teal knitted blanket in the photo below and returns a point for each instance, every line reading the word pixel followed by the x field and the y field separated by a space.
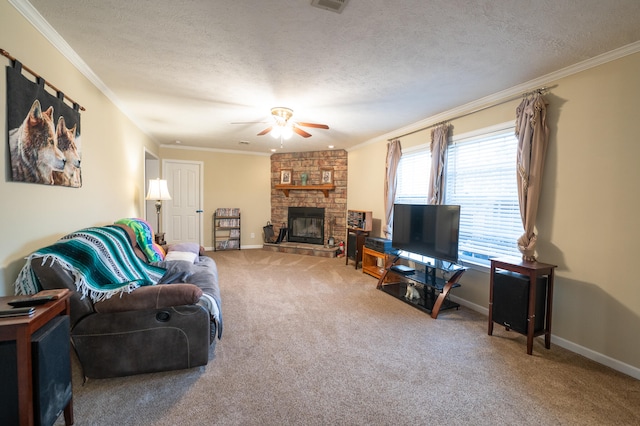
pixel 101 261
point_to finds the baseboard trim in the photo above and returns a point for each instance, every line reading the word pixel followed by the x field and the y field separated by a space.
pixel 617 365
pixel 605 360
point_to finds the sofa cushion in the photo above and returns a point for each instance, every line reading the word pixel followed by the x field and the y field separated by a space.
pixel 151 297
pixel 190 247
pixel 186 256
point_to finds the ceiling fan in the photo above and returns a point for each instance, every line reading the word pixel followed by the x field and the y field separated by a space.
pixel 283 127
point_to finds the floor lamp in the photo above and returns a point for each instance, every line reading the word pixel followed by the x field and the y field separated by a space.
pixel 158 191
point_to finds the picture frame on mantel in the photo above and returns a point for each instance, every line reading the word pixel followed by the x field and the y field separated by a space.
pixel 285 176
pixel 326 176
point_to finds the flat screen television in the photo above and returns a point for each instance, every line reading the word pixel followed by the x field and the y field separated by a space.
pixel 427 229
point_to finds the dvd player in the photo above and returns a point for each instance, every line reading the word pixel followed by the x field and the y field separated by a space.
pixel 403 269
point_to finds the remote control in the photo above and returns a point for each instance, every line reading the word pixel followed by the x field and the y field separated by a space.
pixel 30 301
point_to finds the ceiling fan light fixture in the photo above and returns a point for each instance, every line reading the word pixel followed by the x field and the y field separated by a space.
pixel 283 127
pixel 281 114
pixel 287 131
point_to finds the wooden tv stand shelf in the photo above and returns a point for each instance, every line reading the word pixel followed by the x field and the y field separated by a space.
pixel 434 291
pixel 325 188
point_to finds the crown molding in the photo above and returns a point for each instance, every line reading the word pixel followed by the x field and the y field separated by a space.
pixel 502 96
pixel 39 23
pixel 224 151
pixel 34 17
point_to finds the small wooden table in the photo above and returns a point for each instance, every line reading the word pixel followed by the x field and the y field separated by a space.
pixel 355 244
pixel 532 270
pixel 20 329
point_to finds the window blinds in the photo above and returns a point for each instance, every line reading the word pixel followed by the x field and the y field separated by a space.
pixel 480 176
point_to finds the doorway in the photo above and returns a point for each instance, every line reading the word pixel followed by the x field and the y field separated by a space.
pixel 182 215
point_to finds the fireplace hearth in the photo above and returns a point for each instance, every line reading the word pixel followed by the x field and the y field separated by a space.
pixel 306 225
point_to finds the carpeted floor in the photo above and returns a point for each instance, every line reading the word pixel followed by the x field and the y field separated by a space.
pixel 310 341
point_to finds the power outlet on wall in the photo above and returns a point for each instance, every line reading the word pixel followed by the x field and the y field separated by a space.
pixel 253 235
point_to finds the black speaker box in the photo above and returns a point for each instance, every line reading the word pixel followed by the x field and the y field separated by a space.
pixel 351 245
pixel 50 351
pixel 511 300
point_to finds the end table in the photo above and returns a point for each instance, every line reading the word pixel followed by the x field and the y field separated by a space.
pixel 20 329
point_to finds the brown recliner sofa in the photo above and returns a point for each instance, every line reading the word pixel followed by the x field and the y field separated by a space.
pixel 154 328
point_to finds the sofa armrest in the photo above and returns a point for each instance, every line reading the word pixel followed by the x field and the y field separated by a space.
pixel 151 297
pixel 133 342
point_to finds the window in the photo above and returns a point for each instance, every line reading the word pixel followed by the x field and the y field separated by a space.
pixel 414 174
pixel 480 176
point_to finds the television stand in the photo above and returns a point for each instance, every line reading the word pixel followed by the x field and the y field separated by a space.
pixel 433 291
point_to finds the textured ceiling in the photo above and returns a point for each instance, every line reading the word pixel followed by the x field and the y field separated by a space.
pixel 187 70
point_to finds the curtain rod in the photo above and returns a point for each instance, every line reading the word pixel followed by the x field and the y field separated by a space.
pixel 524 95
pixel 27 69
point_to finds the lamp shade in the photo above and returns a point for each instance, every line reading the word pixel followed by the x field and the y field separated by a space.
pixel 158 190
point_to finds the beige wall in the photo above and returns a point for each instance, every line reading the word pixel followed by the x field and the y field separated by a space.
pixel 33 216
pixel 232 180
pixel 588 219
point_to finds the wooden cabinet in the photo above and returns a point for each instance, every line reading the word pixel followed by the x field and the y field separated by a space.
pixel 226 229
pixel 373 262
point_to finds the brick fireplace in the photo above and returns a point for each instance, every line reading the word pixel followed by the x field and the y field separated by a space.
pixel 311 163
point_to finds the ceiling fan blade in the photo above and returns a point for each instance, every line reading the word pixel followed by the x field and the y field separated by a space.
pixel 265 131
pixel 301 132
pixel 317 126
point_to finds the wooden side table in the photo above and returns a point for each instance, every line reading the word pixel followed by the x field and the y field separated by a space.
pixel 160 240
pixel 20 329
pixel 355 244
pixel 533 270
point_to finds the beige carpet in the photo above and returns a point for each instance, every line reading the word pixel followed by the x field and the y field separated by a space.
pixel 310 341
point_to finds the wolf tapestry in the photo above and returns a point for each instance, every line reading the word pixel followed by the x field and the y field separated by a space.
pixel 44 133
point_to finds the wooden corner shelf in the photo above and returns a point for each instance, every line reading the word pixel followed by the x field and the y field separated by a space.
pixel 325 188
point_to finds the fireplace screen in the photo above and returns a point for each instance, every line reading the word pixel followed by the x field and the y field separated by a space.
pixel 306 225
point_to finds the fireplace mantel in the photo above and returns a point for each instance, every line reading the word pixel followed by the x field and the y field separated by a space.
pixel 325 188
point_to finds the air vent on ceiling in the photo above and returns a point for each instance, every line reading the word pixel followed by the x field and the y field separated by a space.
pixel 332 5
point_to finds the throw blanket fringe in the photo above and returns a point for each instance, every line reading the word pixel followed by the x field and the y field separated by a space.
pixel 100 260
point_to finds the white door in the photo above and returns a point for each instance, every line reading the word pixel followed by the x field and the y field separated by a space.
pixel 182 215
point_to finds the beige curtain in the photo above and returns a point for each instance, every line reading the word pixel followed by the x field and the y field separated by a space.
pixel 394 152
pixel 439 137
pixel 533 138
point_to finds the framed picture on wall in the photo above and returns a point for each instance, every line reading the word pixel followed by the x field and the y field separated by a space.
pixel 285 176
pixel 326 176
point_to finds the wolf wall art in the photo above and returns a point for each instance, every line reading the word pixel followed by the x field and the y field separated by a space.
pixel 44 133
